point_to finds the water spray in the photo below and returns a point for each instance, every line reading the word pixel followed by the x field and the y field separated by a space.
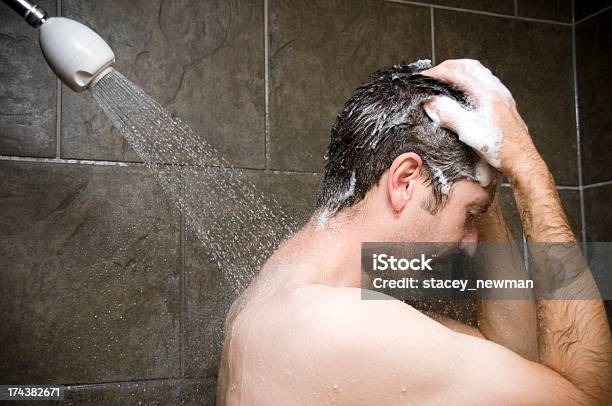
pixel 77 55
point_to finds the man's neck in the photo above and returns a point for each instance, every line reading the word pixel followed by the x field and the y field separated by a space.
pixel 335 248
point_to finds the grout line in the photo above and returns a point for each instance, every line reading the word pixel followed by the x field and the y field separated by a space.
pixel 568 187
pixel 583 224
pixel 137 164
pixel 283 172
pixel 272 171
pixel 102 385
pixel 66 161
pixel 433 37
pixel 484 13
pixel 266 87
pixel 182 282
pixel 598 184
pixel 516 8
pixel 603 10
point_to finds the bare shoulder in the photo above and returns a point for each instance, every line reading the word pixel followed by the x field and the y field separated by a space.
pixel 347 348
pixel 345 310
pixel 328 344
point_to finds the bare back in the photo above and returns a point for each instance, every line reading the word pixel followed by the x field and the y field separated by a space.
pixel 282 351
pixel 316 344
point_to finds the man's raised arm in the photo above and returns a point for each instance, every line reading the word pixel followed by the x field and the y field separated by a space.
pixel 574 337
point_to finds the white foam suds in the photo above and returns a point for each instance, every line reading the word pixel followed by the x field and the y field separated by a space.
pixel 375 141
pixel 484 173
pixel 474 127
pixel 398 118
pixel 326 213
pixel 322 218
pixel 487 79
pixel 437 173
pixel 350 190
pixel 421 64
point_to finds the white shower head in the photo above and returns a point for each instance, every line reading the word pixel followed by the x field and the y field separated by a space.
pixel 77 55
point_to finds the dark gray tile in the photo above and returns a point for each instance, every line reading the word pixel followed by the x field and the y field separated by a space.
pixel 594 60
pixel 499 6
pixel 209 291
pixel 534 60
pixel 296 193
pixel 599 229
pixel 598 216
pixel 166 392
pixel 585 8
pixel 570 199
pixel 156 392
pixel 608 305
pixel 208 296
pixel 511 215
pixel 202 60
pixel 557 10
pixel 89 288
pixel 320 51
pixel 27 89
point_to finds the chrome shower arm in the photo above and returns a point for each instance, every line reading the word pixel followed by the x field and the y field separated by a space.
pixel 33 14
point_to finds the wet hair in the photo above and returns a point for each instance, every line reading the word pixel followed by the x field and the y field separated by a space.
pixel 383 120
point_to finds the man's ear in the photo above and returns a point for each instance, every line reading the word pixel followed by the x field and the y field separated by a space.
pixel 401 179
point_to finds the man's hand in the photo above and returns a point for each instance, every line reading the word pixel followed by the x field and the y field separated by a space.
pixel 494 128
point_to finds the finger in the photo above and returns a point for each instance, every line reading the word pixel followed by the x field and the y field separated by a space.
pixel 441 72
pixel 446 112
pixel 456 76
pixel 450 68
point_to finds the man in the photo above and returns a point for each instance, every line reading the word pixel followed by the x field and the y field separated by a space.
pixel 301 335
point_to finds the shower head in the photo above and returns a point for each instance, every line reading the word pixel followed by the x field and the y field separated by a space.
pixel 77 55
